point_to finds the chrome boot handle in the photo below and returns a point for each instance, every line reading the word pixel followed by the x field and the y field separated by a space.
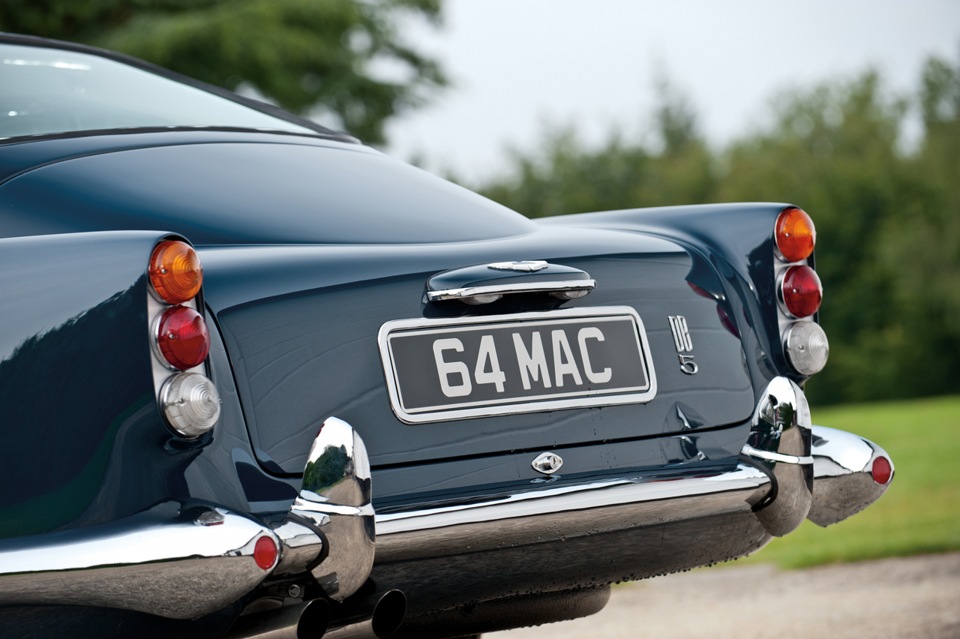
pixel 487 283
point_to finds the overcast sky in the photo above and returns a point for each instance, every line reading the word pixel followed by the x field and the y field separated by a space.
pixel 516 64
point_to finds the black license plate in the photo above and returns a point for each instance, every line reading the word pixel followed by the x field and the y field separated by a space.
pixel 498 365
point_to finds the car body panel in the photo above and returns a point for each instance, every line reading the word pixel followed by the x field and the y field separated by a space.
pixel 323 284
pixel 79 298
pixel 315 196
pixel 333 346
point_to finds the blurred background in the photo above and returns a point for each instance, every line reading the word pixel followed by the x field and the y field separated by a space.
pixel 850 110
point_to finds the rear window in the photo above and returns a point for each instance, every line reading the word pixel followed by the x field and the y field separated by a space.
pixel 47 91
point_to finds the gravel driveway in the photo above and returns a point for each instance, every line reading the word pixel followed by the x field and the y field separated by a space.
pixel 914 597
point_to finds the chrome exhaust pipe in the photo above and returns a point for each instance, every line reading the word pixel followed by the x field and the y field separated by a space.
pixel 306 621
pixel 372 617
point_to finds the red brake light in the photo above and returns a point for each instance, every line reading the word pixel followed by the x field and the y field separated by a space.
pixel 795 234
pixel 265 553
pixel 881 470
pixel 182 337
pixel 175 271
pixel 801 291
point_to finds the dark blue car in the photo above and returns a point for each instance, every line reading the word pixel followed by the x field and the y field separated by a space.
pixel 260 380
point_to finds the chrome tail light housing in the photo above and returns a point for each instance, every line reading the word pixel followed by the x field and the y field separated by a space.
pixel 799 292
pixel 180 340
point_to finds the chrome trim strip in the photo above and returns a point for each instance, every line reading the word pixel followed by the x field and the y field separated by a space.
pixel 583 400
pixel 491 293
pixel 543 513
pixel 176 560
pixel 775 457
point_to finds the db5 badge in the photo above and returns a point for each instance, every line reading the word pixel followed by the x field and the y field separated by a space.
pixel 684 344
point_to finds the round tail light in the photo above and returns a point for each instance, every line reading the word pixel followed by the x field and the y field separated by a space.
pixel 807 347
pixel 801 291
pixel 182 337
pixel 175 271
pixel 265 553
pixel 795 235
pixel 882 470
pixel 190 403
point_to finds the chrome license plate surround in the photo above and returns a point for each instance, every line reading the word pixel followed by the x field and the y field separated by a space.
pixel 413 405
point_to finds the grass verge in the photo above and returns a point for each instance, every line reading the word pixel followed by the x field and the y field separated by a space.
pixel 920 513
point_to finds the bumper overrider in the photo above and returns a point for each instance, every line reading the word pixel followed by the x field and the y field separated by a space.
pixel 186 560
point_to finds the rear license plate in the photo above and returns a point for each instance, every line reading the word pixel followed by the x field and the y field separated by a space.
pixel 440 369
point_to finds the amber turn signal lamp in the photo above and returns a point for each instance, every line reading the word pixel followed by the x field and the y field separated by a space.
pixel 795 235
pixel 175 271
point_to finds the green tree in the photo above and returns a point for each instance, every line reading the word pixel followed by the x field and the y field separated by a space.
pixel 309 56
pixel 329 469
pixel 920 246
pixel 566 177
pixel 834 151
pixel 887 213
pixel 888 222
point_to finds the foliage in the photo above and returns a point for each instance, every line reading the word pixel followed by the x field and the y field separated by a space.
pixel 329 468
pixel 888 220
pixel 833 151
pixel 566 178
pixel 304 54
pixel 920 513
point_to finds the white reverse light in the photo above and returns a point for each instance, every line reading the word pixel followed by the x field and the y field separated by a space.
pixel 807 347
pixel 190 403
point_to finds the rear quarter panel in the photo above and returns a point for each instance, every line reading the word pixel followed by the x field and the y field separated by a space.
pixel 75 381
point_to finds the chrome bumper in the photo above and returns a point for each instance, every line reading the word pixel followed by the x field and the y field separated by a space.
pixel 779 479
pixel 176 560
pixel 187 560
pixel 554 514
pixel 850 473
pixel 184 561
